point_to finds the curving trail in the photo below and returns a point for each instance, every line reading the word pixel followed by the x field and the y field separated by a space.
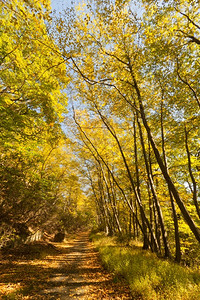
pixel 73 271
pixel 79 275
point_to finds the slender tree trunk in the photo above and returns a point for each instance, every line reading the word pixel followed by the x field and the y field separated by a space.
pixel 145 242
pixel 136 229
pixel 130 221
pixel 117 184
pixel 151 212
pixel 172 188
pixel 100 213
pixel 112 203
pixel 153 190
pixel 191 174
pixel 157 226
pixel 115 209
pixel 175 219
pixel 145 220
pixel 108 227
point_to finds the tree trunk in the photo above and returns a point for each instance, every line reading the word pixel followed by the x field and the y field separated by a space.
pixel 153 190
pixel 172 188
pixel 111 202
pixel 175 219
pixel 191 174
pixel 145 241
pixel 118 185
pixel 145 220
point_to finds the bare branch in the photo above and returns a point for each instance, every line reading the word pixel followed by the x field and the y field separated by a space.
pixel 189 19
pixel 188 84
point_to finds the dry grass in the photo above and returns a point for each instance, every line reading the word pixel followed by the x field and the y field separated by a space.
pixel 149 278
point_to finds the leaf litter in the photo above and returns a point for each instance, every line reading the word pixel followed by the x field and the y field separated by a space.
pixel 67 270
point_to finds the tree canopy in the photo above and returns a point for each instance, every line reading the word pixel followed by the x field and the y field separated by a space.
pixel 129 154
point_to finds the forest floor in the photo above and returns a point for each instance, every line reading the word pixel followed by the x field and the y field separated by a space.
pixel 72 271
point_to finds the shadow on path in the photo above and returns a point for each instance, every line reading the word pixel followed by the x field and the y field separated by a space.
pixel 74 272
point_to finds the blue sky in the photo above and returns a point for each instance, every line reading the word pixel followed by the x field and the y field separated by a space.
pixel 59 5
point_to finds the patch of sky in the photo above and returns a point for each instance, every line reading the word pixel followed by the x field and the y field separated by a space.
pixel 60 5
pixel 178 114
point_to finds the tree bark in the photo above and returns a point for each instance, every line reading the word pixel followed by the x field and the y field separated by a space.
pixel 191 174
pixel 145 220
pixel 153 190
pixel 172 188
pixel 175 219
pixel 145 242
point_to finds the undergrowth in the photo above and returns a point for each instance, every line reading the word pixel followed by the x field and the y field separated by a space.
pixel 149 277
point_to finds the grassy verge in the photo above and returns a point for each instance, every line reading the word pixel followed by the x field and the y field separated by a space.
pixel 149 277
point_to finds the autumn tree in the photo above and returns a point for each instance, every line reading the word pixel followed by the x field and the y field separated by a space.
pixel 127 66
pixel 37 168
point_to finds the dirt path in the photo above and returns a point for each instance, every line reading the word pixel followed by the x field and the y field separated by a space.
pixel 72 273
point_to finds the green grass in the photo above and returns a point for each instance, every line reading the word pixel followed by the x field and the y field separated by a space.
pixel 149 277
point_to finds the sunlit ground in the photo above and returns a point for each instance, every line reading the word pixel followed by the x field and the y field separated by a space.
pixel 149 278
pixel 71 271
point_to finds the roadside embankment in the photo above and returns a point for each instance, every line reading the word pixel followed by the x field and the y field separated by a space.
pixel 149 277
